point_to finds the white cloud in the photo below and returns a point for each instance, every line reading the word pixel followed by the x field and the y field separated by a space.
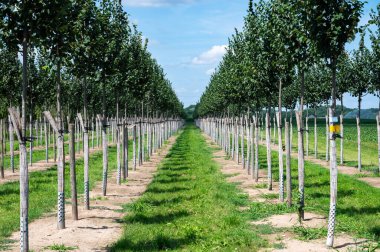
pixel 210 71
pixel 211 56
pixel 155 3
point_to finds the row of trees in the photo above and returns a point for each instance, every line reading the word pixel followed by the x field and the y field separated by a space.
pixel 292 53
pixel 245 76
pixel 76 56
pixel 91 48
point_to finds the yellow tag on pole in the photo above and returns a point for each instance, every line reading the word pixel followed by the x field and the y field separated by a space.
pixel 334 128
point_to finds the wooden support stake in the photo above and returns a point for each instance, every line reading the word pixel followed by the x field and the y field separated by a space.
pixel 86 156
pixel 61 170
pixel 105 154
pixel 24 180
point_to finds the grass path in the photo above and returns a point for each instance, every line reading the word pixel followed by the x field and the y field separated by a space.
pixel 189 206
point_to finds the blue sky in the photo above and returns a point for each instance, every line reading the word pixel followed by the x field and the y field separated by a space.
pixel 188 38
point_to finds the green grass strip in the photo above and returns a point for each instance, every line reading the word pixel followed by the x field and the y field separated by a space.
pixel 189 206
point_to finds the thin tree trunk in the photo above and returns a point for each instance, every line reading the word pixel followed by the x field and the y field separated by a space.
pixel 134 146
pixel 307 131
pixel 315 133
pixel 36 130
pixel 125 151
pixel 31 136
pixel 288 166
pixel 378 136
pixel 242 141
pixel 301 154
pixel 237 157
pixel 24 177
pixel 333 166
pixel 104 142
pixel 11 146
pixel 55 146
pixel 359 135
pixel 118 154
pixel 141 147
pixel 86 156
pixel 252 148
pixel 274 125
pixel 2 149
pixel 341 132
pixel 291 128
pixel 301 169
pixel 257 147
pixel 61 153
pixel 280 150
pixel 92 133
pixel 74 199
pixel 327 139
pixel 46 127
pixel 269 152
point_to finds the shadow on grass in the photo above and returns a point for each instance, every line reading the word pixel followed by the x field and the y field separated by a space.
pixel 342 193
pixel 164 180
pixel 157 218
pixel 352 211
pixel 181 168
pixel 317 184
pixel 165 201
pixel 6 244
pixel 159 242
pixel 168 190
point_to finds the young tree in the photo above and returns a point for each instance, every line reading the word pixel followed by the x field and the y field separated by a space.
pixel 343 84
pixel 20 27
pixel 85 59
pixel 58 36
pixel 360 73
pixel 375 44
pixel 375 88
pixel 331 24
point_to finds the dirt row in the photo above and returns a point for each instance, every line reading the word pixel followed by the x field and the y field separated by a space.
pixel 97 229
pixel 257 191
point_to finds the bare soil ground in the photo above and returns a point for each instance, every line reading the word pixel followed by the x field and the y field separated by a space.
pixel 257 191
pixel 101 226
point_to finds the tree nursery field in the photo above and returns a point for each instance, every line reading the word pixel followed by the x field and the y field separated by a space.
pixel 98 153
